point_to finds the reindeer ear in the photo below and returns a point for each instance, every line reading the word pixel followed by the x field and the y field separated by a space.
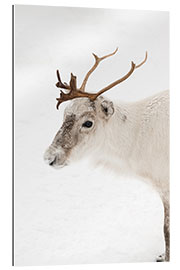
pixel 107 108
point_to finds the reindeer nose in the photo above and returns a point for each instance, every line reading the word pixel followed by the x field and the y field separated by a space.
pixel 49 158
pixel 54 158
pixel 52 162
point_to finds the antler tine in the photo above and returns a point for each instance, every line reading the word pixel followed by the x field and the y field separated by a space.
pixel 133 67
pixel 146 55
pixel 97 61
pixel 72 83
pixel 60 84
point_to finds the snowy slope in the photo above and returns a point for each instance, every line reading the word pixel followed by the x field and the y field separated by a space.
pixel 78 214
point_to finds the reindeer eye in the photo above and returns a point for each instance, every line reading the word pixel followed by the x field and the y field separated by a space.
pixel 87 124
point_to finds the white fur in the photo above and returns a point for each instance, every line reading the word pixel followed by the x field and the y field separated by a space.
pixel 135 139
pixel 141 141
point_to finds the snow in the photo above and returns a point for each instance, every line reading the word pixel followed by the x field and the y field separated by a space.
pixel 78 214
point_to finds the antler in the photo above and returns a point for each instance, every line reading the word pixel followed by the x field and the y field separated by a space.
pixel 60 84
pixel 97 61
pixel 73 91
pixel 133 67
pixel 79 93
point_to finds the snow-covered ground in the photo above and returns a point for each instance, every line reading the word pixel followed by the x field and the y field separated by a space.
pixel 79 214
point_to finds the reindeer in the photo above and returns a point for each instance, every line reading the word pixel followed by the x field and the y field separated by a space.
pixel 125 136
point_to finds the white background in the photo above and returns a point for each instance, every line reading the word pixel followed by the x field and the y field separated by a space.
pixel 172 211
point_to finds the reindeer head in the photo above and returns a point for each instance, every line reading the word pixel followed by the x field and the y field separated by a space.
pixel 84 119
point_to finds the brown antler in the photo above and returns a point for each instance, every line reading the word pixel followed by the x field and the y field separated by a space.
pixel 60 84
pixel 97 61
pixel 79 93
pixel 133 67
pixel 73 91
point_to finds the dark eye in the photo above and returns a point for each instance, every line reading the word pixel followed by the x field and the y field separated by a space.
pixel 87 124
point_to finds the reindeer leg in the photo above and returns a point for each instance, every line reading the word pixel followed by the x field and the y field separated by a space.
pixel 166 231
pixel 166 256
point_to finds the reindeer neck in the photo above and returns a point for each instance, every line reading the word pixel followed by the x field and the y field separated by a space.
pixel 123 129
